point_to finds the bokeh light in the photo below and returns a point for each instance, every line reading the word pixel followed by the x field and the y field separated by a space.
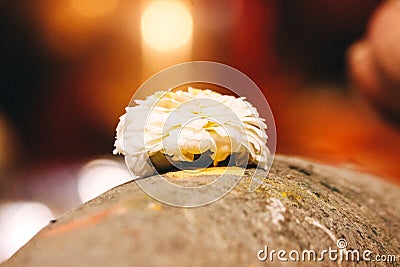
pixel 19 222
pixel 166 25
pixel 100 175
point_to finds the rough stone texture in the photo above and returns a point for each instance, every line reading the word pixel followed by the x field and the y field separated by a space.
pixel 303 205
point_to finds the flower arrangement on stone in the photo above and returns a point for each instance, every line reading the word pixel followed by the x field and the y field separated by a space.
pixel 190 129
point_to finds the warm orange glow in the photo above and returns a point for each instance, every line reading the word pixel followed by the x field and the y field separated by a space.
pixel 166 25
pixel 93 8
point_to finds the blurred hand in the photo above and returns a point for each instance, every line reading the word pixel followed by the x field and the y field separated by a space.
pixel 374 62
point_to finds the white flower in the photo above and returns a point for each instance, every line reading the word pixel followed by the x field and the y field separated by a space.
pixel 184 125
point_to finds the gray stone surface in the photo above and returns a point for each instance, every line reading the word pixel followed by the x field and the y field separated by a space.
pixel 303 205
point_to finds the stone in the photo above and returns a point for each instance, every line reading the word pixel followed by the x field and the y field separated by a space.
pixel 302 205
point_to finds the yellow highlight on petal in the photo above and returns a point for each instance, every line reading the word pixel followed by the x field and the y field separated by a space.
pixel 208 171
pixel 155 206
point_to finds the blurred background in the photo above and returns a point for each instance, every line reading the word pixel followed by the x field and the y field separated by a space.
pixel 329 69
